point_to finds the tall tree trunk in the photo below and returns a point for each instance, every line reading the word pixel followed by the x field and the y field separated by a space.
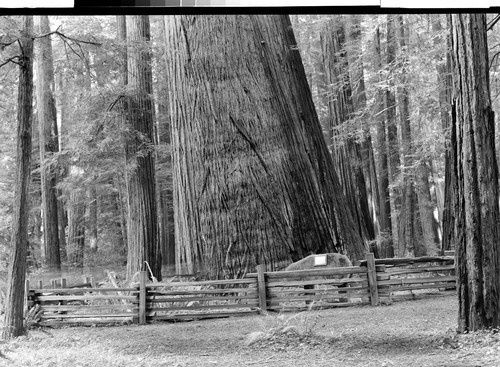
pixel 35 233
pixel 392 128
pixel 254 181
pixel 426 210
pixel 476 174
pixel 346 151
pixel 385 221
pixel 47 125
pixel 407 239
pixel 14 305
pixel 63 168
pixel 121 37
pixel 75 247
pixel 93 218
pixel 450 188
pixel 354 48
pixel 76 203
pixel 167 236
pixel 119 213
pixel 143 244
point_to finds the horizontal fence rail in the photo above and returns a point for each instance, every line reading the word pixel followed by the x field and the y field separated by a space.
pixel 202 299
pixel 398 275
pixel 318 288
pixel 369 282
pixel 61 306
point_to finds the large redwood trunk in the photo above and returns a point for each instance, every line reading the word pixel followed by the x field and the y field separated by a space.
pixel 14 304
pixel 477 222
pixel 254 181
pixel 143 245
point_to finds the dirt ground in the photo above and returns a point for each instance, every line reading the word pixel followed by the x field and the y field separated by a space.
pixel 406 333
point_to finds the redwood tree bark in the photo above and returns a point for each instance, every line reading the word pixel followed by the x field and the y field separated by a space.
pixel 48 141
pixel 346 151
pixel 254 181
pixel 476 175
pixel 450 190
pixel 385 221
pixel 14 305
pixel 408 241
pixel 391 124
pixel 143 244
pixel 166 208
pixel 355 56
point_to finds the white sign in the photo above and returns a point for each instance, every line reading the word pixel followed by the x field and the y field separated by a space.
pixel 320 260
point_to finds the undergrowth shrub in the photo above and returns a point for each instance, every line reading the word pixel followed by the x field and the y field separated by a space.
pixel 280 327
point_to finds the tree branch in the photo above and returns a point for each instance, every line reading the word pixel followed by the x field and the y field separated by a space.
pixel 493 22
pixel 493 59
pixel 5 44
pixel 11 60
pixel 115 102
pixel 63 36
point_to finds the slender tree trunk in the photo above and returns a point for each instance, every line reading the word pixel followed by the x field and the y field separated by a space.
pixel 35 234
pixel 407 239
pixel 75 247
pixel 476 174
pixel 143 244
pixel 354 48
pixel 77 198
pixel 93 215
pixel 450 188
pixel 426 207
pixel 121 37
pixel 385 221
pixel 254 181
pixel 14 305
pixel 392 128
pixel 47 124
pixel 63 168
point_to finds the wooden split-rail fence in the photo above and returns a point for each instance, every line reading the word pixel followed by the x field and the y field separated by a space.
pixel 368 283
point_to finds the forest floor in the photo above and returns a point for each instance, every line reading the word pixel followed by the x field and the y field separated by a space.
pixel 405 333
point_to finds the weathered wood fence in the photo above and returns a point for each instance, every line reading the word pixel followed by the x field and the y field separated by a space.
pixel 367 283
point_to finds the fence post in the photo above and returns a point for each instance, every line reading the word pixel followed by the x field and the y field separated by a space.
pixel 142 297
pixel 372 278
pixel 40 284
pixel 261 287
pixel 89 280
pixel 63 282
